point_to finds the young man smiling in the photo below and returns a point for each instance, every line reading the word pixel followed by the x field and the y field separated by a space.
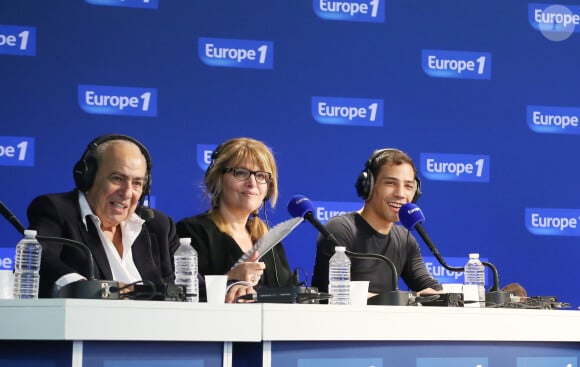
pixel 388 181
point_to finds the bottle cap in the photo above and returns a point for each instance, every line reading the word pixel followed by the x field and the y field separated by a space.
pixel 474 255
pixel 30 233
pixel 185 241
pixel 339 249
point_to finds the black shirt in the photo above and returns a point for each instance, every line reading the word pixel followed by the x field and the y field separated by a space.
pixel 399 246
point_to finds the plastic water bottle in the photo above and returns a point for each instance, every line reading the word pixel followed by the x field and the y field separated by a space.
pixel 474 282
pixel 186 269
pixel 27 266
pixel 339 277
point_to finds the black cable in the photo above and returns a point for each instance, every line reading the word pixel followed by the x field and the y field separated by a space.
pixel 296 276
pixel 275 267
pixel 424 299
pixel 309 297
pixel 304 297
pixel 148 294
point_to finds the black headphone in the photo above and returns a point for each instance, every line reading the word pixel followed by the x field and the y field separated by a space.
pixel 215 155
pixel 366 180
pixel 85 169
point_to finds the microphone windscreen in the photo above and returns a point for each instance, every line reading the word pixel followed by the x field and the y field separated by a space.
pixel 146 213
pixel 410 215
pixel 299 205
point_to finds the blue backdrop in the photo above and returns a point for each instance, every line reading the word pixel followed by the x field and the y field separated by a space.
pixel 481 94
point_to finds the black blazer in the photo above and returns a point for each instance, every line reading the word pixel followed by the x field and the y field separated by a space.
pixel 59 215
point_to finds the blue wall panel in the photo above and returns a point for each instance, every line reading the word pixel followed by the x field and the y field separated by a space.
pixel 430 113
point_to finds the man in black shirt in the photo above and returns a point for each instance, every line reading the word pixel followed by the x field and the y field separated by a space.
pixel 388 181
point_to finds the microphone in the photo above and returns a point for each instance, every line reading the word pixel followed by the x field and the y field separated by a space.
pixel 90 288
pixel 11 218
pixel 391 298
pixel 145 213
pixel 411 216
pixel 301 206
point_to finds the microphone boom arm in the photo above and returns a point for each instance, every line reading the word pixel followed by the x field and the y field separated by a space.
pixel 495 286
pixel 394 276
pixel 434 250
pixel 82 246
pixel 429 243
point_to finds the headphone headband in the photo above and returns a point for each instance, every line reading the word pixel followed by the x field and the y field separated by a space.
pixel 366 180
pixel 85 169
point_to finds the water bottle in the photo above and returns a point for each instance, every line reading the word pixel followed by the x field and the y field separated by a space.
pixel 27 266
pixel 339 277
pixel 474 282
pixel 186 269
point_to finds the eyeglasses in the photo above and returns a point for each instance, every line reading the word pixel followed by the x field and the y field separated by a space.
pixel 243 174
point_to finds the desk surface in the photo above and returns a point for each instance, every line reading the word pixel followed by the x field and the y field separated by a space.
pixel 78 319
pixel 283 322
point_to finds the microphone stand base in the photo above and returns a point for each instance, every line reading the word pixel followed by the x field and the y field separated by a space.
pixel 90 289
pixel 392 298
pixel 497 299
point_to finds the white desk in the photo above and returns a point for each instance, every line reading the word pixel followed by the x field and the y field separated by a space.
pixel 321 322
pixel 88 333
pixel 77 327
pixel 332 335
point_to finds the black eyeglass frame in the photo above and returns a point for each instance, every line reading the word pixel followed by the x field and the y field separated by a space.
pixel 249 173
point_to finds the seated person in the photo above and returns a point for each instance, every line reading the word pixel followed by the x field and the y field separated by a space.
pixel 241 178
pixel 128 242
pixel 387 182
pixel 516 289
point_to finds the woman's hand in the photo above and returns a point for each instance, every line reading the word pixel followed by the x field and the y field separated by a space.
pixel 238 290
pixel 250 271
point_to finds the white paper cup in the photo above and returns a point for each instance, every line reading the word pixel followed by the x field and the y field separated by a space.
pixel 452 287
pixel 215 286
pixel 6 283
pixel 359 290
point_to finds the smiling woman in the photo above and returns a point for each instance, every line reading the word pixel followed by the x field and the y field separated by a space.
pixel 241 178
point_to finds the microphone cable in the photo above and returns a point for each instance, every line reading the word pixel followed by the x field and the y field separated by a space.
pixel 419 300
pixel 310 297
pixel 148 292
pixel 287 297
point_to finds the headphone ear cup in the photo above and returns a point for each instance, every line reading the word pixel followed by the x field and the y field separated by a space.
pixel 146 187
pixel 364 184
pixel 84 173
pixel 214 155
pixel 85 169
pixel 418 191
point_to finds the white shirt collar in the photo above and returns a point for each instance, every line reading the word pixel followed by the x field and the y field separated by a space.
pixel 123 268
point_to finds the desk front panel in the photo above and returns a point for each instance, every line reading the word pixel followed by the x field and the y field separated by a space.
pixel 423 354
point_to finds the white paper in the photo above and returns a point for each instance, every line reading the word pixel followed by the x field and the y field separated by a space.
pixel 271 238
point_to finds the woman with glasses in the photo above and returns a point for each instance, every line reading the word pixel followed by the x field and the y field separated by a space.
pixel 241 179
